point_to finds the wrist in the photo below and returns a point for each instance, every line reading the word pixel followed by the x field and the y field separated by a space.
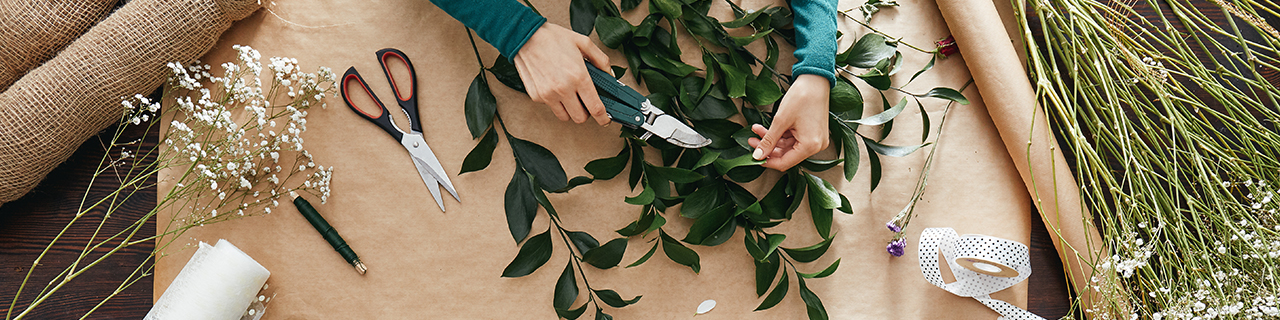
pixel 812 82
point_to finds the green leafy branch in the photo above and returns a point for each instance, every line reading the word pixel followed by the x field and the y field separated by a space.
pixel 704 183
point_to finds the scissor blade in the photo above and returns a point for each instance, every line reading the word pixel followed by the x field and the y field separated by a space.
pixel 422 153
pixel 676 132
pixel 432 184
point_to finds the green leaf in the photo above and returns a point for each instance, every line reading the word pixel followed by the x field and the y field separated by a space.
pixel 600 315
pixel 924 119
pixel 481 106
pixel 810 253
pixel 583 241
pixel 677 175
pixel 533 254
pixel 573 183
pixel 704 200
pixel 673 67
pixel 657 83
pixel 506 73
pixel 669 8
pixel 766 271
pixel 582 16
pixel 845 97
pixel 645 197
pixel 778 204
pixel 613 31
pixel 772 242
pixel 703 26
pixel 645 257
pixel 869 50
pixel 724 165
pixel 607 168
pixel 520 205
pixel 736 79
pixel 542 198
pixel 744 41
pixel 946 93
pixel 820 165
pixel 572 314
pixel 608 255
pixel 922 70
pixel 762 91
pixel 747 19
pixel 845 206
pixel 873 160
pixel 480 156
pixel 852 153
pixel 713 108
pixel 822 193
pixel 821 274
pixel 753 248
pixel 679 253
pixel 876 80
pixel 779 292
pixel 566 288
pixel 811 302
pixel 627 5
pixel 882 117
pixel 540 162
pixel 892 151
pixel 637 159
pixel 613 299
pixel 708 224
pixel 719 131
pixel 618 72
pixel 707 158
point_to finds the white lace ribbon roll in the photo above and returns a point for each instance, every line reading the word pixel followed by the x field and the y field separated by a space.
pixel 981 265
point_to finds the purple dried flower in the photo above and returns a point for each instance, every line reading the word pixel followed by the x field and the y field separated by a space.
pixel 897 247
pixel 893 227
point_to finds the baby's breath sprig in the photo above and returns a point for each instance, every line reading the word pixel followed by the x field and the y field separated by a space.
pixel 233 148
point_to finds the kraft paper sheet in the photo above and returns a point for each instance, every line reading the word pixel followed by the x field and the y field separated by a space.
pixel 427 264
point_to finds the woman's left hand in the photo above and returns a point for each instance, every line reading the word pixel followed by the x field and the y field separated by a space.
pixel 799 128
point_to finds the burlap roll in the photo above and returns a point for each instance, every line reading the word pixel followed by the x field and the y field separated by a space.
pixel 54 108
pixel 32 31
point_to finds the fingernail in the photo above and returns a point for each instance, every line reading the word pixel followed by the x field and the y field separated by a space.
pixel 758 154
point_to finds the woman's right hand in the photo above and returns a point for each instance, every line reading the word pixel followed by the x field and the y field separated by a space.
pixel 550 65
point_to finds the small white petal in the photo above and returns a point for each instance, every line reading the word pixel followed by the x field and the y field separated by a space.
pixel 706 306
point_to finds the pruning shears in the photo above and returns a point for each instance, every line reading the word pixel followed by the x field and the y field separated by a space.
pixel 634 110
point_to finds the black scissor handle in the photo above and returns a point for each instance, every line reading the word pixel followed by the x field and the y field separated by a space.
pixel 382 118
pixel 408 100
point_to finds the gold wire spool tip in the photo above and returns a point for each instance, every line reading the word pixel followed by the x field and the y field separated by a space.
pixel 359 266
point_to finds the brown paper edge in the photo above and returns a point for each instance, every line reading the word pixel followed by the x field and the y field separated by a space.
pixel 997 66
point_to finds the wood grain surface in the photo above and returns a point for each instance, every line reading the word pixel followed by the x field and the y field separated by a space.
pixel 29 224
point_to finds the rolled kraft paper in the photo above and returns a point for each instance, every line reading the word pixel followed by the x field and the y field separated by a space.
pixel 32 31
pixel 219 282
pixel 55 107
pixel 998 71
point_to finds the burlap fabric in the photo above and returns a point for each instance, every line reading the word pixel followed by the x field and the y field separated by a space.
pixel 51 110
pixel 32 31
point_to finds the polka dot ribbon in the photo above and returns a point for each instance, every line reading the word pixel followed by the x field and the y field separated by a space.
pixel 1005 255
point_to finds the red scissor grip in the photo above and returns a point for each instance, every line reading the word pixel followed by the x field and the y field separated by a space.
pixel 353 77
pixel 394 86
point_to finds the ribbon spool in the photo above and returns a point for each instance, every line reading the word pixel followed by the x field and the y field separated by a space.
pixel 981 265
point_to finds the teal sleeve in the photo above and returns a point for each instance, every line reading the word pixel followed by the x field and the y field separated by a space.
pixel 815 22
pixel 505 24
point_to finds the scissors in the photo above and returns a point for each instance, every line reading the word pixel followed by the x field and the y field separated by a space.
pixel 634 110
pixel 429 167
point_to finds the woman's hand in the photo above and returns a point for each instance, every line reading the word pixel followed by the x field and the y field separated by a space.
pixel 799 127
pixel 550 64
